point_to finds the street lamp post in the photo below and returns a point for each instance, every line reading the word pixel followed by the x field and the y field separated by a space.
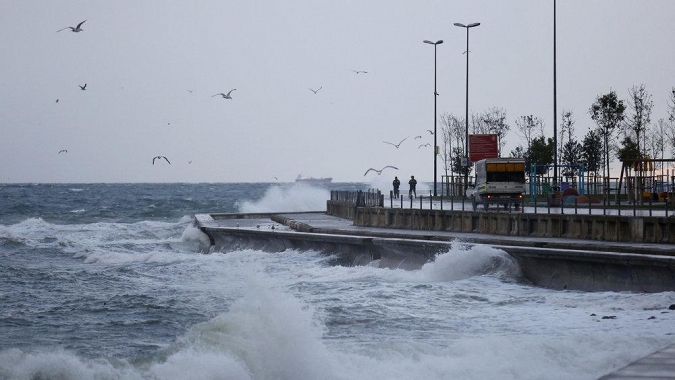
pixel 555 110
pixel 435 114
pixel 466 147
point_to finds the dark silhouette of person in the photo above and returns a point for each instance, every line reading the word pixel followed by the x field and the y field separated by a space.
pixel 413 185
pixel 396 184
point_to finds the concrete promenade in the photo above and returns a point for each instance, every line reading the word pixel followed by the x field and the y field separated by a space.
pixel 541 259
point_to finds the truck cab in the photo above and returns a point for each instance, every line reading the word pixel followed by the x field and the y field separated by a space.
pixel 499 181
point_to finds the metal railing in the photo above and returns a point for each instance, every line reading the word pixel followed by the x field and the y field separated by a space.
pixel 374 198
pixel 359 198
pixel 568 206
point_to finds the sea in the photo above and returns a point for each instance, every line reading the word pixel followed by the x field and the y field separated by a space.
pixel 106 281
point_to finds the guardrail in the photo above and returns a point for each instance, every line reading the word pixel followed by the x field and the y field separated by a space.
pixel 422 202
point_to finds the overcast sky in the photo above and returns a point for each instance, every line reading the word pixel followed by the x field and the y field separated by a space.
pixel 151 68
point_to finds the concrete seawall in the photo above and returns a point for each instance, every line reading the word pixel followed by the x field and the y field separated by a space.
pixel 552 263
pixel 226 235
pixel 639 229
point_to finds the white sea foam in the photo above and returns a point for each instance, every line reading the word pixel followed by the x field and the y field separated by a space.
pixel 7 233
pixel 291 315
pixel 290 198
pixel 269 334
pixel 460 263
pixel 194 234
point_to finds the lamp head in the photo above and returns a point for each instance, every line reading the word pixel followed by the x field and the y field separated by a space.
pixel 460 25
pixel 473 24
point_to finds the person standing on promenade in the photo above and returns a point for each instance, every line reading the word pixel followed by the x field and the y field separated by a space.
pixel 396 184
pixel 413 185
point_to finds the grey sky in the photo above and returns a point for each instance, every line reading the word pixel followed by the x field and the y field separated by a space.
pixel 140 58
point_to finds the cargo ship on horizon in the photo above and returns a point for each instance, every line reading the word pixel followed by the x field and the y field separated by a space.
pixel 314 181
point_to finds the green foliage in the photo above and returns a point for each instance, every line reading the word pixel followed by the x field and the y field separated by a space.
pixel 540 153
pixel 591 151
pixel 519 152
pixel 571 156
pixel 608 112
pixel 457 154
pixel 629 152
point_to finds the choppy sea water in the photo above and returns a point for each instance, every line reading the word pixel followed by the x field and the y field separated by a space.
pixel 103 281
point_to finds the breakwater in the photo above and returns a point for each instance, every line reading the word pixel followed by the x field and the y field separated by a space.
pixel 552 263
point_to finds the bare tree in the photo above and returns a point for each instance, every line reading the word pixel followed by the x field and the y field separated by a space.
pixel 670 137
pixel 640 102
pixel 453 137
pixel 478 124
pixel 529 127
pixel 658 139
pixel 670 131
pixel 495 122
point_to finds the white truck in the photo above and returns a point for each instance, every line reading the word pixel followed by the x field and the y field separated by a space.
pixel 499 181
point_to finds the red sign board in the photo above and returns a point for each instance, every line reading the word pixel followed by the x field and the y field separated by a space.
pixel 483 146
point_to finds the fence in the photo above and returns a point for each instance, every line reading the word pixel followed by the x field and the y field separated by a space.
pixel 567 205
pixel 359 198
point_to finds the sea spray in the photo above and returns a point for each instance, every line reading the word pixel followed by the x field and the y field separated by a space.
pixel 295 197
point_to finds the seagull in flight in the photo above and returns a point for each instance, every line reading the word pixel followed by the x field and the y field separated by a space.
pixel 430 131
pixel 63 151
pixel 225 96
pixel 315 91
pixel 427 144
pixel 160 157
pixel 379 171
pixel 396 145
pixel 359 71
pixel 83 88
pixel 418 137
pixel 76 29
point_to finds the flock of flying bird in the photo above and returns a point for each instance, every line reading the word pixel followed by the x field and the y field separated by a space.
pixel 78 28
pixel 398 145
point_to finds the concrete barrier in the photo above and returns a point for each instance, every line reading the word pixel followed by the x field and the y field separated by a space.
pixel 554 268
pixel 638 229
